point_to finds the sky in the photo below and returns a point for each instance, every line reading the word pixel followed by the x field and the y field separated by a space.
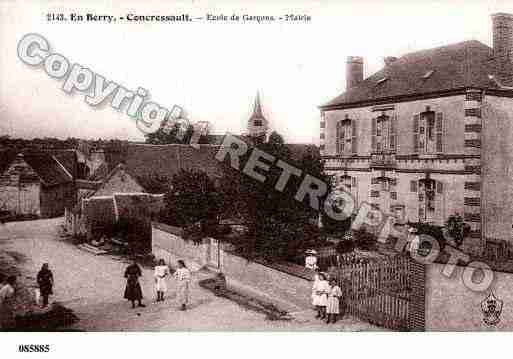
pixel 214 69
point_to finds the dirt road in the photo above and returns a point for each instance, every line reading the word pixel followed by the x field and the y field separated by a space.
pixel 92 286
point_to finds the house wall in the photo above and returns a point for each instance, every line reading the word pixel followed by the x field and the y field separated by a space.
pixel 119 182
pixel 168 244
pixel 54 199
pixel 451 306
pixel 24 200
pixel 497 168
pixel 291 291
pixel 452 107
pixel 449 169
pixel 20 189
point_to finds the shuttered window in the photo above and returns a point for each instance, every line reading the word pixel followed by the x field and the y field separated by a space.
pixel 374 134
pixel 439 132
pixel 353 137
pixel 439 187
pixel 416 134
pixel 393 126
pixel 413 186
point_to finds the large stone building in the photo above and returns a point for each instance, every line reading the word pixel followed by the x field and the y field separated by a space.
pixel 430 135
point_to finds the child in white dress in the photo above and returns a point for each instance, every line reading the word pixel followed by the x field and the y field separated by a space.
pixel 160 274
pixel 320 289
pixel 333 307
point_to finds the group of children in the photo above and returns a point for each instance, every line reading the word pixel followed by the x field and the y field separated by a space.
pixel 326 298
pixel 133 290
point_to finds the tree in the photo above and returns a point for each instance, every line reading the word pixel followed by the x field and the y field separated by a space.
pixel 457 229
pixel 175 133
pixel 279 226
pixel 192 200
pixel 154 183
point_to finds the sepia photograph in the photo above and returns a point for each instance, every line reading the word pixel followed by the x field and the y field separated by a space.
pixel 291 166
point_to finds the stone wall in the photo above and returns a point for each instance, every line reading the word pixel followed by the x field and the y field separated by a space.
pixel 279 284
pixel 168 244
pixel 450 306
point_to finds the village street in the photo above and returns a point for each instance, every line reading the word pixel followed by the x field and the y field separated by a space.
pixel 92 286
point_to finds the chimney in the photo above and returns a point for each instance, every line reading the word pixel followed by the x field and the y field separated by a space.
pixel 503 45
pixel 354 71
pixel 389 59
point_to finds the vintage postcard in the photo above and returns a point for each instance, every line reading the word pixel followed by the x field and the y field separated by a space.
pixel 285 166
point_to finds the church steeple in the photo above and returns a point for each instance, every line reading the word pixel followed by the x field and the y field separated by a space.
pixel 257 124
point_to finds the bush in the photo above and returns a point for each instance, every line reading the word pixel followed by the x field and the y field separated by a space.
pixel 435 232
pixel 364 240
pixel 345 246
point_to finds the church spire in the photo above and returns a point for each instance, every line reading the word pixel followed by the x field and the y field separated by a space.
pixel 257 109
pixel 257 124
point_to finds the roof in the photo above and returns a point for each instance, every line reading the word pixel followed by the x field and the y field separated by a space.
pixel 6 157
pixel 143 160
pixel 49 170
pixel 457 66
pixel 68 158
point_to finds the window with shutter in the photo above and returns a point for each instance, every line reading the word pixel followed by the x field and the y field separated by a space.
pixel 393 124
pixel 413 186
pixel 374 133
pixel 416 134
pixel 337 138
pixel 353 137
pixel 439 187
pixel 439 132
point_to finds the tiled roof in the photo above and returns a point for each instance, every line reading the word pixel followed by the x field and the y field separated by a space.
pixel 168 160
pixel 49 170
pixel 6 157
pixel 68 158
pixel 456 66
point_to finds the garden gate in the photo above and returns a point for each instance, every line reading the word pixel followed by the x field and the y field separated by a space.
pixel 388 292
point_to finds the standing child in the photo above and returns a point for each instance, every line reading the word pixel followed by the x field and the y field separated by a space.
pixel 320 297
pixel 161 272
pixel 183 275
pixel 333 307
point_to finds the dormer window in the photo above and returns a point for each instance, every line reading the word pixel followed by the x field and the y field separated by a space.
pixel 428 74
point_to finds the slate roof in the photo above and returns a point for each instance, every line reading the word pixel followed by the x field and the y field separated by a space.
pixel 461 65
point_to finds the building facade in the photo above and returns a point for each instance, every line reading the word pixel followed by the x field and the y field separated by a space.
pixel 430 135
pixel 36 184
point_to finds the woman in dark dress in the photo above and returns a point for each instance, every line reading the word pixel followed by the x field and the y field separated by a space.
pixel 45 282
pixel 133 291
